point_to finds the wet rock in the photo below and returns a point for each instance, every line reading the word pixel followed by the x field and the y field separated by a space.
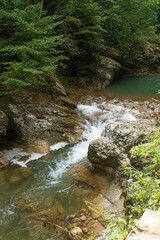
pixel 48 208
pixel 19 174
pixel 76 231
pixel 14 179
pixel 3 162
pixel 3 124
pixel 128 134
pixel 74 135
pixel 98 182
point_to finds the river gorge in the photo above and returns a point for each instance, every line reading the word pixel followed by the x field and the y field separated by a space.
pixel 47 186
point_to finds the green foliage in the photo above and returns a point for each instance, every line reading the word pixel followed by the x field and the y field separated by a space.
pixel 35 42
pixel 29 46
pixel 82 27
pixel 143 192
pixel 128 20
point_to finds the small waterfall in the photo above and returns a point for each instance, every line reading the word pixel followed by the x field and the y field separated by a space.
pixel 100 115
pixel 50 178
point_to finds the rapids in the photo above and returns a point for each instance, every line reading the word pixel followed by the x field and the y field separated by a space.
pixel 49 183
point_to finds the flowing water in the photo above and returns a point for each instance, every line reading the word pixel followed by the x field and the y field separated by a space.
pixel 49 189
pixel 135 87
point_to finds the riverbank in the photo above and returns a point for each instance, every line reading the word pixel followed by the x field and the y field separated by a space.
pixel 50 174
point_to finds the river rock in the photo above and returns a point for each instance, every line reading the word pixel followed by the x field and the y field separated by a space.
pixel 103 153
pixel 3 163
pixel 128 134
pixel 105 71
pixel 110 151
pixel 76 231
pixel 41 119
pixel 3 124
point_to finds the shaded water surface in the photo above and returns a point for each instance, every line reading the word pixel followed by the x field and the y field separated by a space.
pixel 135 87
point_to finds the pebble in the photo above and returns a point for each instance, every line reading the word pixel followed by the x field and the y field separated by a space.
pixel 85 230
pixel 76 231
pixel 83 218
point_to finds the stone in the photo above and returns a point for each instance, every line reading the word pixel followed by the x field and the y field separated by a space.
pixel 85 230
pixel 147 228
pixel 74 220
pixel 98 182
pixel 103 153
pixel 128 134
pixel 76 231
pixel 72 216
pixel 3 124
pixel 97 227
pixel 84 210
pixel 14 179
pixel 43 121
pixel 105 71
pixel 112 149
pixel 83 218
pixel 3 163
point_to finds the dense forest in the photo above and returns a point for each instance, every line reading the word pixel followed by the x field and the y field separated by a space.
pixel 37 37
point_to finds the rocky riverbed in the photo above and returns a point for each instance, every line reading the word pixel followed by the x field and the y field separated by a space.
pixel 118 123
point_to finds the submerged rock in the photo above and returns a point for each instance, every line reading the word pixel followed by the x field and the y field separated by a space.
pixel 19 174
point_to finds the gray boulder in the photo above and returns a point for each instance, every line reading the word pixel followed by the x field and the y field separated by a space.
pixel 128 134
pixel 112 149
pixel 103 153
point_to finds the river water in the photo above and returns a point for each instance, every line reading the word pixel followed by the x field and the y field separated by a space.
pixel 135 87
pixel 47 188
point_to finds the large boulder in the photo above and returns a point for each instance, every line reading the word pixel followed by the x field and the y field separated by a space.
pixel 41 118
pixel 106 71
pixel 103 153
pixel 112 149
pixel 128 134
pixel 3 124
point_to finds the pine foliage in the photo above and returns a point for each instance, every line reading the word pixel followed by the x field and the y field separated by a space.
pixel 29 46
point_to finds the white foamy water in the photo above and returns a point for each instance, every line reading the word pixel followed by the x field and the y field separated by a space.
pixel 15 156
pixel 101 116
pixel 58 146
pixel 88 110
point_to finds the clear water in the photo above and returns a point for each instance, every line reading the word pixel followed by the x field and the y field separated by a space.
pixel 50 182
pixel 135 87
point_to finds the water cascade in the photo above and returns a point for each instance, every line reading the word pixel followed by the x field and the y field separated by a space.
pixel 49 180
